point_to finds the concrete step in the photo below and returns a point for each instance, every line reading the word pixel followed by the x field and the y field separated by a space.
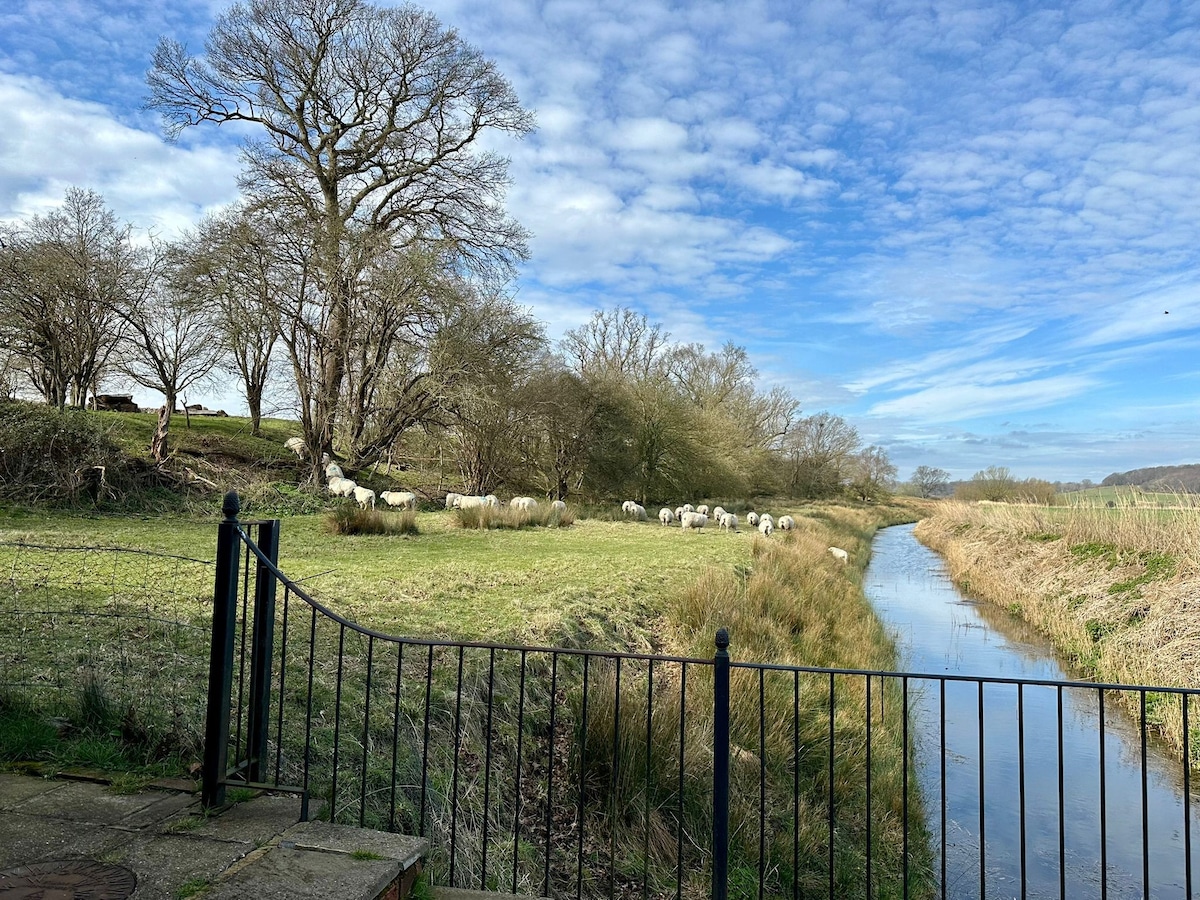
pixel 319 860
pixel 445 893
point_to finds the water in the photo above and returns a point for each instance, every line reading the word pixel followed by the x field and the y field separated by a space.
pixel 1069 849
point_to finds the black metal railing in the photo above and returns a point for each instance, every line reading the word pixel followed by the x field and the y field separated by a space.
pixel 578 773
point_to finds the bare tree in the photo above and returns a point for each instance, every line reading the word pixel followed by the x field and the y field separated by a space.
pixel 230 262
pixel 371 120
pixel 616 342
pixel 874 473
pixel 819 452
pixel 62 277
pixel 170 343
pixel 930 481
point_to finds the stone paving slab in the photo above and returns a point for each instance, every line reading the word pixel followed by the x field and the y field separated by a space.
pixel 345 839
pixel 89 803
pixel 254 822
pixel 303 874
pixel 16 789
pixel 164 863
pixel 26 839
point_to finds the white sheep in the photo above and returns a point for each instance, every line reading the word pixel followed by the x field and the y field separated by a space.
pixel 702 509
pixel 558 506
pixel 627 507
pixel 452 500
pixel 526 503
pixel 766 526
pixel 491 500
pixel 692 520
pixel 839 553
pixel 752 519
pixel 365 497
pixel 333 470
pixel 786 523
pixel 469 501
pixel 637 511
pixel 766 517
pixel 717 512
pixel 297 446
pixel 728 521
pixel 342 487
pixel 402 499
pixel 666 516
pixel 687 507
pixel 679 511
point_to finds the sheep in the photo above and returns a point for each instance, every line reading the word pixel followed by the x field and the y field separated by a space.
pixel 342 487
pixel 687 507
pixel 752 519
pixel 452 500
pixel 469 502
pixel 638 512
pixel 526 503
pixel 766 517
pixel 491 500
pixel 627 507
pixel 666 516
pixel 692 520
pixel 365 497
pixel 728 521
pixel 333 470
pixel 702 509
pixel 766 526
pixel 717 512
pixel 839 553
pixel 403 499
pixel 558 506
pixel 679 511
pixel 786 523
pixel 297 446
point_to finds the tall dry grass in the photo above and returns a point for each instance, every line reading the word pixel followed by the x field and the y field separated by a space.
pixel 1114 588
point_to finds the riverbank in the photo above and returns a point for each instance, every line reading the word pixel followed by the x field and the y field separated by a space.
pixel 1116 590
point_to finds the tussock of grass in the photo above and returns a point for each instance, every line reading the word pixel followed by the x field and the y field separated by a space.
pixel 506 517
pixel 347 518
pixel 1115 594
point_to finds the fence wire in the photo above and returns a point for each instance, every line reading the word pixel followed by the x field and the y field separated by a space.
pixel 130 626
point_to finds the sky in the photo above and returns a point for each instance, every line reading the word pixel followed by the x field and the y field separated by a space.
pixel 970 229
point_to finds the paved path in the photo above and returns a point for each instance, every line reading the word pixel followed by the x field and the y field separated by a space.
pixel 253 849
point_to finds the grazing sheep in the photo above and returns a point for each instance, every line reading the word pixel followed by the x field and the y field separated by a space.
pixel 692 520
pixel 627 507
pixel 717 512
pixel 687 507
pixel 452 500
pixel 766 526
pixel 839 553
pixel 403 499
pixel 679 511
pixel 469 501
pixel 766 517
pixel 637 511
pixel 752 519
pixel 333 470
pixel 342 487
pixel 491 500
pixel 702 509
pixel 558 506
pixel 526 503
pixel 297 446
pixel 728 521
pixel 365 497
pixel 786 523
pixel 666 516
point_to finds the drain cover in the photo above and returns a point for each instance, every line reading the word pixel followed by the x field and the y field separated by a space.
pixel 71 879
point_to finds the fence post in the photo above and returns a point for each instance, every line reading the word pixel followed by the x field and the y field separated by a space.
pixel 220 660
pixel 720 884
pixel 261 650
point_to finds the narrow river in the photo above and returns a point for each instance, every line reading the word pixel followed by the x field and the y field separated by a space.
pixel 1068 848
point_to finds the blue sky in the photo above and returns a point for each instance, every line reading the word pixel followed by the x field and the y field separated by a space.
pixel 973 230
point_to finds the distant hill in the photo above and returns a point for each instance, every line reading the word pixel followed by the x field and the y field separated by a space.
pixel 1159 478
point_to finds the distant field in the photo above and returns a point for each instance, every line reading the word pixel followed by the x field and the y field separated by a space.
pixel 1125 495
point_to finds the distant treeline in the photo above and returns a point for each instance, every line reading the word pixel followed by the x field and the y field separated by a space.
pixel 1159 478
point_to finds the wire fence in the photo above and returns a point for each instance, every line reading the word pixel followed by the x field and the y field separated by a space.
pixel 131 625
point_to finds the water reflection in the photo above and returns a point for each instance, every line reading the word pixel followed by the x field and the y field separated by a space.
pixel 1050 823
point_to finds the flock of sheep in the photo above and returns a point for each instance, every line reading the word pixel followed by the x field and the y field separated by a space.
pixel 694 517
pixel 689 517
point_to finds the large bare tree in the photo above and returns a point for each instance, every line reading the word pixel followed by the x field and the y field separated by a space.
pixel 370 121
pixel 62 277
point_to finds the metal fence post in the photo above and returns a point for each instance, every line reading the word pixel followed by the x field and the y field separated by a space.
pixel 220 664
pixel 720 883
pixel 261 650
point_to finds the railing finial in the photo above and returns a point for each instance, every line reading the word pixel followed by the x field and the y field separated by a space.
pixel 722 638
pixel 231 506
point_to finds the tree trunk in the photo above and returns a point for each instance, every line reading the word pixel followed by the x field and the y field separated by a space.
pixel 254 402
pixel 158 444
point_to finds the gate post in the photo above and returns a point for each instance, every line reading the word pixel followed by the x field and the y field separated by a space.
pixel 220 660
pixel 720 877
pixel 261 649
